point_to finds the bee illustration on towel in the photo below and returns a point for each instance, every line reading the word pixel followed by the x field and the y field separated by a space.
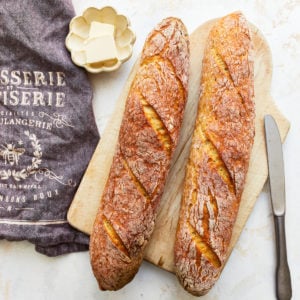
pixel 11 154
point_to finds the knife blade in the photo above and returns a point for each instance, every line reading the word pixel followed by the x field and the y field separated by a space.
pixel 277 195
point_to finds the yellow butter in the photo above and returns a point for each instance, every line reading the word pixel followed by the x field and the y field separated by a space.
pixel 100 49
pixel 99 29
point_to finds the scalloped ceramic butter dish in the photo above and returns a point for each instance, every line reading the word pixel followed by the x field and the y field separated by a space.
pixel 100 39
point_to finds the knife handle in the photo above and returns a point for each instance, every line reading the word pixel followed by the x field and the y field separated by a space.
pixel 283 277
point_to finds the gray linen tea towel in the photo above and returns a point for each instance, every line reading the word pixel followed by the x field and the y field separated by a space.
pixel 47 127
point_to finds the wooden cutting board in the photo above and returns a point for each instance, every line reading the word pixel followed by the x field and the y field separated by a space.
pixel 159 251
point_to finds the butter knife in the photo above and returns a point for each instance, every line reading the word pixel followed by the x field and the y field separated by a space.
pixel 277 194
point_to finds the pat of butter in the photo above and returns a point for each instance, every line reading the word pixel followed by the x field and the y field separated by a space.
pixel 99 29
pixel 100 49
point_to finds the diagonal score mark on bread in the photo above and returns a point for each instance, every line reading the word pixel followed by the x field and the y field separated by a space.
pixel 163 66
pixel 157 125
pixel 203 247
pixel 163 63
pixel 215 159
pixel 115 238
pixel 213 206
pixel 136 181
pixel 223 67
pixel 205 222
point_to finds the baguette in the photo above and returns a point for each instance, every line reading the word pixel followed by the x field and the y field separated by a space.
pixel 219 155
pixel 147 139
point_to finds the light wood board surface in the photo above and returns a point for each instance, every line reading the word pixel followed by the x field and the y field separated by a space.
pixel 159 251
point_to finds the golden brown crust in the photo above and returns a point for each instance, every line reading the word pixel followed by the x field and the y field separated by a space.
pixel 148 136
pixel 219 155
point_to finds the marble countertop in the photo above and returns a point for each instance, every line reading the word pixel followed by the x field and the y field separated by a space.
pixel 250 271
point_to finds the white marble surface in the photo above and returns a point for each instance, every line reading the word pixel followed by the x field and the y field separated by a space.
pixel 249 273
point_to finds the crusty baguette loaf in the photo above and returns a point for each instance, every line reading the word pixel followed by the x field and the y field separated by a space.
pixel 219 155
pixel 147 139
